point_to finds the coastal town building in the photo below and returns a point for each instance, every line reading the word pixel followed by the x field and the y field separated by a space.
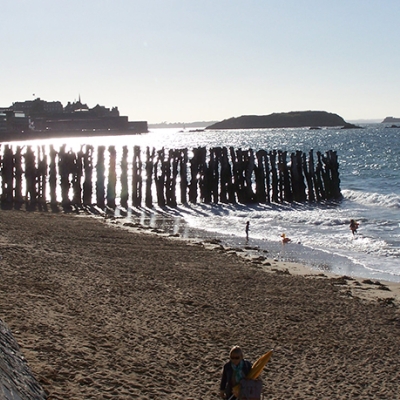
pixel 13 122
pixel 44 119
pixel 38 107
pixel 3 122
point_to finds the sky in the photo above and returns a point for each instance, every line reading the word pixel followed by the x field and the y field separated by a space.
pixel 204 60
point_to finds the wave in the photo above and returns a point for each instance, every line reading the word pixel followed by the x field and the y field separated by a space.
pixel 391 200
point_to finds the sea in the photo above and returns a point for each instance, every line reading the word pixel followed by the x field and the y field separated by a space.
pixel 320 238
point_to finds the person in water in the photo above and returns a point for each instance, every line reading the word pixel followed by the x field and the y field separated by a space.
pixel 247 229
pixel 353 226
pixel 233 372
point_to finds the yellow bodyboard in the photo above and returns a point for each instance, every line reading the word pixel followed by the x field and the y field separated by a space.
pixel 255 371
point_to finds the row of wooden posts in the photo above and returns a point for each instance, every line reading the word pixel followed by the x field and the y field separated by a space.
pixel 215 175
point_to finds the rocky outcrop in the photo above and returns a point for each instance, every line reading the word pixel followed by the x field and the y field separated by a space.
pixel 294 119
pixel 390 120
pixel 351 126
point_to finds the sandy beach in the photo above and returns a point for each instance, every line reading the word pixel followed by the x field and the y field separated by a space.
pixel 106 311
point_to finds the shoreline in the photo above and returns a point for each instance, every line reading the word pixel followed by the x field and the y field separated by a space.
pixel 355 286
pixel 293 252
pixel 102 310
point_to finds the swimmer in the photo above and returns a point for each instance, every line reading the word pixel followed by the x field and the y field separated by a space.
pixel 284 238
pixel 353 226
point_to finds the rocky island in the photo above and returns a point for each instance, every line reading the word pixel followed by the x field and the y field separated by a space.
pixel 294 119
pixel 389 120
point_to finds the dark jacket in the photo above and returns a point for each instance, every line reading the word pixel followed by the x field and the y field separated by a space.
pixel 227 373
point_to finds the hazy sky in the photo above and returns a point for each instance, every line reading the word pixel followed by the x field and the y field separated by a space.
pixel 191 60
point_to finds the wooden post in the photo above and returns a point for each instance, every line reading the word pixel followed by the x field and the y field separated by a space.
pixel 175 166
pixel 204 180
pixel 18 198
pixel 261 173
pixel 53 176
pixel 319 181
pixel 194 168
pixel 335 175
pixel 268 177
pixel 124 178
pixel 274 177
pixel 194 174
pixel 149 169
pixel 287 183
pixel 248 173
pixel 136 177
pixel 241 187
pixel 227 195
pixel 7 173
pixel 64 175
pixel 1 174
pixel 174 170
pixel 100 170
pixel 30 177
pixel 159 177
pixel 302 185
pixel 309 173
pixel 326 178
pixel 88 183
pixel 312 170
pixel 77 177
pixel 332 167
pixel 112 178
pixel 183 175
pixel 198 175
pixel 168 178
pixel 212 165
pixel 237 185
pixel 42 174
pixel 294 177
pixel 299 193
pixel 215 157
pixel 281 167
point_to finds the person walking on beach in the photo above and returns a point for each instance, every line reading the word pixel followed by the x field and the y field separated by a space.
pixel 353 226
pixel 233 372
pixel 247 229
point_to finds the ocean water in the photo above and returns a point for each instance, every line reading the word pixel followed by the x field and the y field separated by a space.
pixel 369 170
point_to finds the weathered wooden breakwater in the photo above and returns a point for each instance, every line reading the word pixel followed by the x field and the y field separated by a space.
pixel 92 176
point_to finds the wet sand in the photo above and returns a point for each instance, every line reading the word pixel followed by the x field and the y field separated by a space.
pixel 106 311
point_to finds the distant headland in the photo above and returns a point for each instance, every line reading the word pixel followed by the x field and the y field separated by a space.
pixel 390 120
pixel 195 124
pixel 40 119
pixel 294 119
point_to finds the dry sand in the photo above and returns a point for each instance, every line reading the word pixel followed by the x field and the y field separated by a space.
pixel 103 312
